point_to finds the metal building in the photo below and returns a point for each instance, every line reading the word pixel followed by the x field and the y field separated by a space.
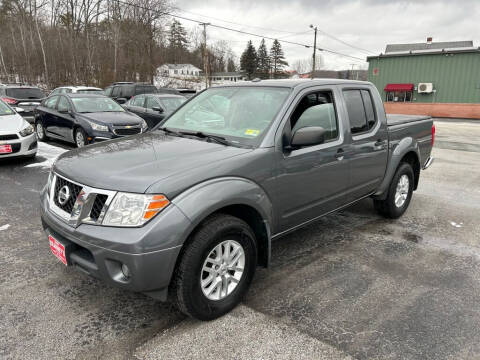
pixel 439 79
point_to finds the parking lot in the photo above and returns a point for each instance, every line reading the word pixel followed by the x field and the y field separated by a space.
pixel 352 285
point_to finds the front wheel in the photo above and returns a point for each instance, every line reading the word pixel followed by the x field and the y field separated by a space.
pixel 80 138
pixel 399 193
pixel 215 268
pixel 40 131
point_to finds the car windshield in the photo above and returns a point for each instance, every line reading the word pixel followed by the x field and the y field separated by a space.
pixel 239 114
pixel 171 104
pixel 5 109
pixel 90 91
pixel 95 104
pixel 25 93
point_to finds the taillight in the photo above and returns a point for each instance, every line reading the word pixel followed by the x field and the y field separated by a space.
pixel 9 101
pixel 433 134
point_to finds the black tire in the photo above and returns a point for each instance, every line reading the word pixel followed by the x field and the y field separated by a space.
pixel 40 131
pixel 185 290
pixel 387 207
pixel 80 132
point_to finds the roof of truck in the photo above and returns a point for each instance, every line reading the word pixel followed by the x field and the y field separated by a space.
pixel 291 83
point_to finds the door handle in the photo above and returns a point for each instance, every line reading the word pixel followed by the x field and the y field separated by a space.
pixel 340 154
pixel 379 144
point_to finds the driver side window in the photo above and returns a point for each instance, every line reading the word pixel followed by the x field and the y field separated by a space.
pixel 316 109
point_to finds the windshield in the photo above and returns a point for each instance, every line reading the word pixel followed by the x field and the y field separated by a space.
pixel 95 104
pixel 90 91
pixel 5 109
pixel 171 104
pixel 240 114
pixel 25 93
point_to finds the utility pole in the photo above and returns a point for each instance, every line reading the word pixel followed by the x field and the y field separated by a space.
pixel 205 53
pixel 351 75
pixel 314 50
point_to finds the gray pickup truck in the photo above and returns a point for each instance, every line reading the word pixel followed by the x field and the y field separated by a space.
pixel 188 211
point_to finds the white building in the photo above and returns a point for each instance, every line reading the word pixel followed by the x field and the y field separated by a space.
pixel 223 77
pixel 178 70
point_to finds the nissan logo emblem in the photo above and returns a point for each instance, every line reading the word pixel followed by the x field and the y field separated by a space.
pixel 63 195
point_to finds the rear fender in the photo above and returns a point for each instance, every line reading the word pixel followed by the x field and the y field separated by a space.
pixel 397 152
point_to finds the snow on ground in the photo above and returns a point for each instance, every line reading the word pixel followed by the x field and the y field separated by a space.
pixel 46 155
pixel 4 227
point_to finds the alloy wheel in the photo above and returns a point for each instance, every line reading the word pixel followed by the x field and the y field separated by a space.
pixel 401 193
pixel 222 270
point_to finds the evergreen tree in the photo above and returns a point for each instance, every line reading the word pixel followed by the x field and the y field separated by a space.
pixel 177 39
pixel 277 59
pixel 248 61
pixel 231 65
pixel 263 61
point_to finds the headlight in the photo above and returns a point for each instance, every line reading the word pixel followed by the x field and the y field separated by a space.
pixel 26 131
pixel 98 127
pixel 144 125
pixel 129 209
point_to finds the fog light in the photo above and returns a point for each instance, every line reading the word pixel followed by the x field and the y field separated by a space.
pixel 125 271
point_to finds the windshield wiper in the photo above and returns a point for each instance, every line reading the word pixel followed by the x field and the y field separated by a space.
pixel 169 131
pixel 202 135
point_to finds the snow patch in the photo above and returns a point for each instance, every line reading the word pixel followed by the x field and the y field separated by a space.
pixel 4 227
pixel 457 225
pixel 49 152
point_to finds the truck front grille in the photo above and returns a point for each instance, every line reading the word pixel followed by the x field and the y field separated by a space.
pixel 73 191
pixel 98 205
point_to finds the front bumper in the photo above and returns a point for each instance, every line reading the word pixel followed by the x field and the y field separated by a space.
pixel 150 252
pixel 24 146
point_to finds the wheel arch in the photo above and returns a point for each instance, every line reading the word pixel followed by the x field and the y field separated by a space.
pixel 238 197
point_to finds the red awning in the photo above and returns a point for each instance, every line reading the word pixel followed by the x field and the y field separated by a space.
pixel 399 87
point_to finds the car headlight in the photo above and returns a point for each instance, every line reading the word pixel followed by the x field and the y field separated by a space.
pixel 144 125
pixel 98 127
pixel 26 131
pixel 129 209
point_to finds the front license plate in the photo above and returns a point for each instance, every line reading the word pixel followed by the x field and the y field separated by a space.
pixel 5 149
pixel 58 249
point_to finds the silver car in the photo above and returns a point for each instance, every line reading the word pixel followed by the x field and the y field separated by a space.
pixel 17 137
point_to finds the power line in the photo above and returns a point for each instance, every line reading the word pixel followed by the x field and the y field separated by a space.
pixel 288 32
pixel 241 31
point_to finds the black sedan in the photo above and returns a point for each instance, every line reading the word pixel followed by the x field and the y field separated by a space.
pixel 154 107
pixel 83 119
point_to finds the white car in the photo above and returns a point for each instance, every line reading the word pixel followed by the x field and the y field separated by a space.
pixel 17 136
pixel 77 90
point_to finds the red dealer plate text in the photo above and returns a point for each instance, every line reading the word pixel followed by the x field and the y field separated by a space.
pixel 58 249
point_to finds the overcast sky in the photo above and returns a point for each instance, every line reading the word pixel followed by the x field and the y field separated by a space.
pixel 366 24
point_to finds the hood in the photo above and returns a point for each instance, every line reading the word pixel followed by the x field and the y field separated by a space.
pixel 114 118
pixel 10 124
pixel 133 164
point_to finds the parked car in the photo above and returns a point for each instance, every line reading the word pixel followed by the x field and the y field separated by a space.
pixel 163 90
pixel 188 211
pixel 122 92
pixel 188 93
pixel 77 90
pixel 17 137
pixel 84 118
pixel 153 108
pixel 26 97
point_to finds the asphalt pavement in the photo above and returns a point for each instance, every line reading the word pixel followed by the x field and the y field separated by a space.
pixel 352 285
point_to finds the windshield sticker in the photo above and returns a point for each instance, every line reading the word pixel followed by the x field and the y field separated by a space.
pixel 252 132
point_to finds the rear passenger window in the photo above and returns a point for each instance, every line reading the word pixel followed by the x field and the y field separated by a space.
pixel 316 109
pixel 51 102
pixel 116 91
pixel 360 110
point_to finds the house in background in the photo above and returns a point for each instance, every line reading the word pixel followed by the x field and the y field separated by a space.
pixel 178 70
pixel 223 77
pixel 439 79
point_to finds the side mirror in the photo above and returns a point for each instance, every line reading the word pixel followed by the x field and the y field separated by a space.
pixel 19 110
pixel 158 109
pixel 307 136
pixel 121 100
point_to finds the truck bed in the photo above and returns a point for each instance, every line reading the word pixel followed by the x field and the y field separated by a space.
pixel 399 119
